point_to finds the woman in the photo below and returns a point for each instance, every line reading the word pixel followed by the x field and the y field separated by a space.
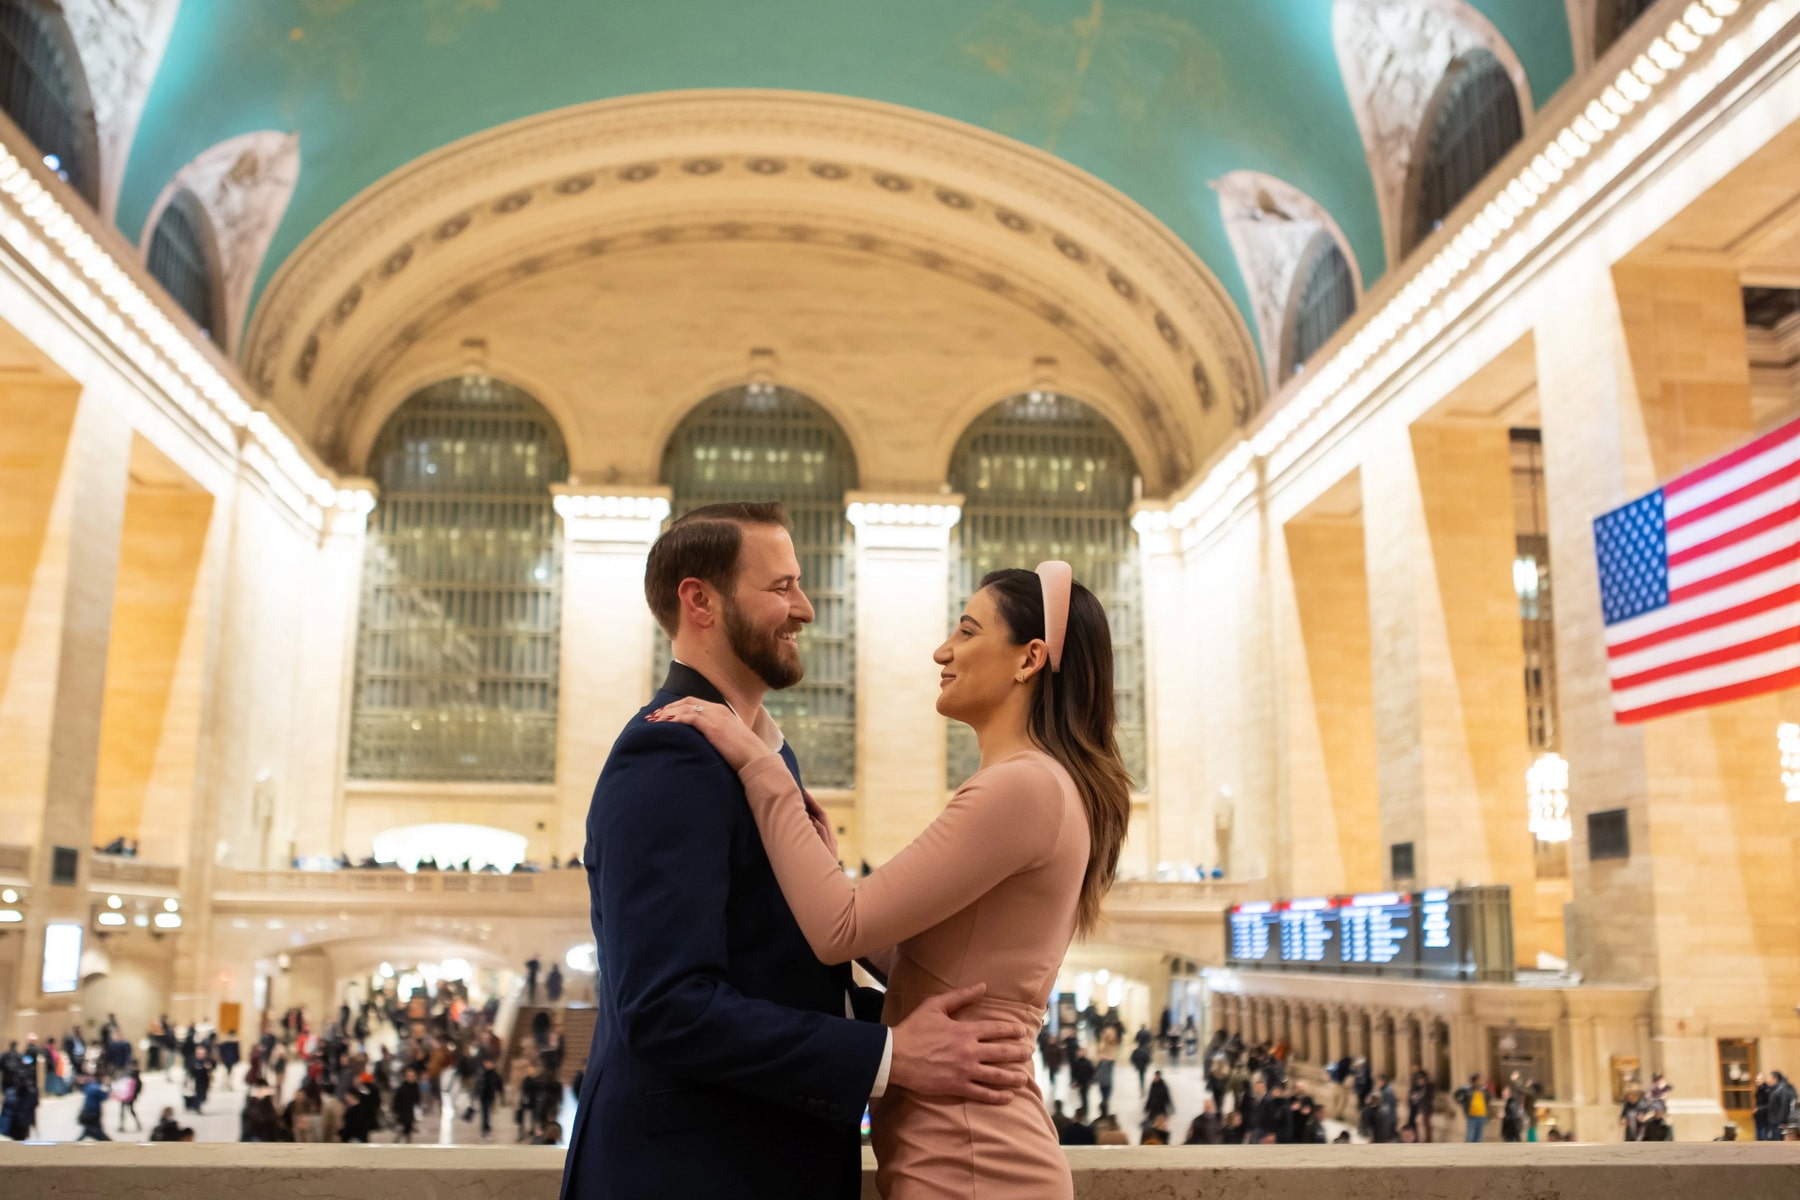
pixel 994 890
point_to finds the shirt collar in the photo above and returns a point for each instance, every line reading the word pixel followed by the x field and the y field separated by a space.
pixel 684 680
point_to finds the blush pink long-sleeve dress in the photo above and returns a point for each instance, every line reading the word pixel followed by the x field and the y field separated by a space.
pixel 987 894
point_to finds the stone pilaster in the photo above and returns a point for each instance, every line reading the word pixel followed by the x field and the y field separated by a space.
pixel 902 616
pixel 77 567
pixel 1643 374
pixel 1450 697
pixel 608 638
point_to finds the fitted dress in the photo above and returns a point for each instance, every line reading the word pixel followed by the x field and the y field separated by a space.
pixel 987 894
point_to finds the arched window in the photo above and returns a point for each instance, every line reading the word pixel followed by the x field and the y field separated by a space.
pixel 181 259
pixel 1324 298
pixel 1044 476
pixel 1614 18
pixel 1474 120
pixel 45 93
pixel 456 665
pixel 768 443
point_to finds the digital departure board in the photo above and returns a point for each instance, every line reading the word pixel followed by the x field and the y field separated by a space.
pixel 1439 933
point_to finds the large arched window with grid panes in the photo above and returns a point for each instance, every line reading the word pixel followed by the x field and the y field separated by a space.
pixel 45 93
pixel 763 442
pixel 1472 122
pixel 1324 298
pixel 1044 476
pixel 1613 18
pixel 456 664
pixel 181 258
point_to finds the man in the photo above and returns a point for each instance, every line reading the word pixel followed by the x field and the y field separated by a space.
pixel 1158 1103
pixel 1474 1101
pixel 532 967
pixel 1419 1099
pixel 1784 1105
pixel 727 1060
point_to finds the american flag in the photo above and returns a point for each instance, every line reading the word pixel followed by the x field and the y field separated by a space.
pixel 1700 583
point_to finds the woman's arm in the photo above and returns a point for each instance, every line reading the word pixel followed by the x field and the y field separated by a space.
pixel 1005 819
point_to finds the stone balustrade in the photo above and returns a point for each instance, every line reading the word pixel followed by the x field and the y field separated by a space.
pixel 1640 1171
pixel 116 871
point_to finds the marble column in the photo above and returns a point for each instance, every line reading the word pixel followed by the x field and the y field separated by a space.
pixel 608 637
pixel 902 615
pixel 1359 1032
pixel 56 738
pixel 1450 694
pixel 1334 1033
pixel 1432 1040
pixel 1381 1054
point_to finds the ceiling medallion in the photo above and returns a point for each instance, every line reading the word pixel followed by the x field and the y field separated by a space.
pixel 703 166
pixel 1166 327
pixel 1203 388
pixel 825 170
pixel 766 166
pixel 1012 220
pixel 574 185
pixel 637 172
pixel 1071 250
pixel 451 228
pixel 893 183
pixel 954 199
pixel 512 203
pixel 1120 284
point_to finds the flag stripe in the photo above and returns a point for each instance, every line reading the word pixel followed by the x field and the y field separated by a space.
pixel 1746 508
pixel 1691 517
pixel 1760 544
pixel 1769 562
pixel 1785 515
pixel 1725 475
pixel 1709 679
pixel 1634 674
pixel 1737 691
pixel 1785 596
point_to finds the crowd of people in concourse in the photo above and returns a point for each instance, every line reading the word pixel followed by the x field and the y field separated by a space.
pixel 434 1060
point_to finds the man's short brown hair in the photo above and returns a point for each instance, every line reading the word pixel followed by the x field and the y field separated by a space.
pixel 703 544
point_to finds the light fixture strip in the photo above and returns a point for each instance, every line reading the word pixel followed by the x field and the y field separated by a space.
pixel 50 238
pixel 1484 250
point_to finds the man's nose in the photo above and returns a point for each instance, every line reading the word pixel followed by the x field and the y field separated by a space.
pixel 802 609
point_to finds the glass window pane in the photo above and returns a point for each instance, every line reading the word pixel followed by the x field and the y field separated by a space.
pixel 178 259
pixel 42 91
pixel 457 645
pixel 768 443
pixel 1044 476
pixel 1475 121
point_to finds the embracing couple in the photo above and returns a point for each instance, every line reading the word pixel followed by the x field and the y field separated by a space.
pixel 734 1054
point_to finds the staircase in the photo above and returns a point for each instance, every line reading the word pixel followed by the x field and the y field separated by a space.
pixel 574 1021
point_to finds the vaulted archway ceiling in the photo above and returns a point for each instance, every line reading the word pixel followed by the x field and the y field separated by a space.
pixel 1155 97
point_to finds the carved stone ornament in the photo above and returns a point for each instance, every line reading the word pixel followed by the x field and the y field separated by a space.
pixel 1392 55
pixel 1271 223
pixel 244 184
pixel 121 43
pixel 725 165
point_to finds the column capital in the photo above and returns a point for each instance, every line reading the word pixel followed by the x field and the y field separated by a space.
pixel 606 515
pixel 902 521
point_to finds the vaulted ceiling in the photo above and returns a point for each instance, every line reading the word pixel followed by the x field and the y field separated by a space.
pixel 1157 98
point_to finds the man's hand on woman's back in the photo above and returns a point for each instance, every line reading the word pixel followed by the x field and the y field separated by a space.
pixel 937 1055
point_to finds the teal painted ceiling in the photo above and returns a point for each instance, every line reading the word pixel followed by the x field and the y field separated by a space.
pixel 1156 97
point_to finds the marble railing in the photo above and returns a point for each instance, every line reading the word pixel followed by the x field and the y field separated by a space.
pixel 117 870
pixel 1638 1171
pixel 525 891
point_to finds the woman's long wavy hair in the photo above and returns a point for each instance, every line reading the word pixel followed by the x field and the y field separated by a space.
pixel 1073 720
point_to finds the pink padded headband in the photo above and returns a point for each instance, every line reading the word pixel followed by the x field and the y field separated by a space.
pixel 1057 579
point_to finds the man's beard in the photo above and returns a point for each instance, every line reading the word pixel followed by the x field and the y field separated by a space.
pixel 763 652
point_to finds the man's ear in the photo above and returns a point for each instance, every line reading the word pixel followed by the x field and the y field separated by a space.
pixel 699 602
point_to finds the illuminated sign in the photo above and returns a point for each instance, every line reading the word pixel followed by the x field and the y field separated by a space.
pixel 62 958
pixel 1429 934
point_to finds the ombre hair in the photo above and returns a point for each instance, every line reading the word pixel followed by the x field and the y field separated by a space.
pixel 1073 719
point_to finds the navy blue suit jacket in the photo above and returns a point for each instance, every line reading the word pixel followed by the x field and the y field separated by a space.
pixel 722 1064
